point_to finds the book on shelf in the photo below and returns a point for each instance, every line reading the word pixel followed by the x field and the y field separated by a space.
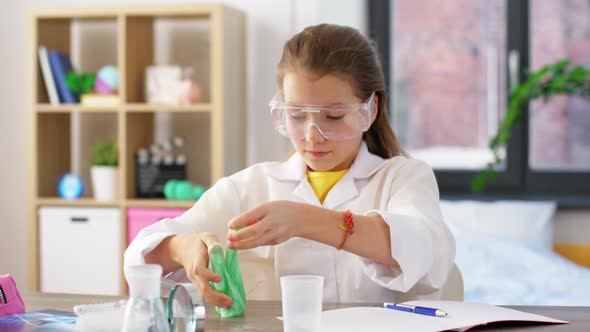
pixel 48 76
pixel 61 65
pixel 100 100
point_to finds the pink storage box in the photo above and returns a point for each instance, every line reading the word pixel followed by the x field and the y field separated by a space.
pixel 140 218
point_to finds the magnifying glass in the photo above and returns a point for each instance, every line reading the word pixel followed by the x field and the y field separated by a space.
pixel 185 309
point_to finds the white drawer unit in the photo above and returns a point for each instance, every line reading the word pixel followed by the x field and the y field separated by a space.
pixel 80 250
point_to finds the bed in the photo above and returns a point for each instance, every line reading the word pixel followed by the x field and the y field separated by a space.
pixel 505 254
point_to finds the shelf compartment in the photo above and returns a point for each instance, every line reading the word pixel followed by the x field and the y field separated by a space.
pixel 90 41
pixel 183 40
pixel 64 144
pixel 146 128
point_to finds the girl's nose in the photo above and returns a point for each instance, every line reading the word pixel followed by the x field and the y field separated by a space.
pixel 314 134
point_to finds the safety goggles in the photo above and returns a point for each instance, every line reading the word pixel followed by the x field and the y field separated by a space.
pixel 334 122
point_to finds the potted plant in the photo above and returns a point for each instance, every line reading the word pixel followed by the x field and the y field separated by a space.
pixel 561 77
pixel 104 171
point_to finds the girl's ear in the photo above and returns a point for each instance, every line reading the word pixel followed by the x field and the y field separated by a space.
pixel 375 108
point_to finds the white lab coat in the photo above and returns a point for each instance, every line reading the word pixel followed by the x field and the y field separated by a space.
pixel 403 191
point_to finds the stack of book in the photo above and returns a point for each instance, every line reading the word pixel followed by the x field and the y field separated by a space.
pixel 98 100
pixel 55 67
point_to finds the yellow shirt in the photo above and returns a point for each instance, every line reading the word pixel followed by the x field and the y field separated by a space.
pixel 322 182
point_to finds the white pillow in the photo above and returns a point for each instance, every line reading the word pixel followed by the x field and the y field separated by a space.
pixel 527 221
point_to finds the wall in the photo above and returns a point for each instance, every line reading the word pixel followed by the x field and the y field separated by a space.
pixel 13 247
pixel 269 24
pixel 572 226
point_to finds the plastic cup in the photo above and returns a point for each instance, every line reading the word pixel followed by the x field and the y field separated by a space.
pixel 301 297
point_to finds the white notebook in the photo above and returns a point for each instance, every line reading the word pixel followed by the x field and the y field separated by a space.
pixel 48 76
pixel 461 317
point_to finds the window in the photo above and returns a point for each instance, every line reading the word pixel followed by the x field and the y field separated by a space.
pixel 447 67
pixel 447 81
pixel 560 129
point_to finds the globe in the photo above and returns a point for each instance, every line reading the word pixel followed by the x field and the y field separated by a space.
pixel 107 80
pixel 70 186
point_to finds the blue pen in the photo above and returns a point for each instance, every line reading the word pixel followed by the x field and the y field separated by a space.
pixel 415 309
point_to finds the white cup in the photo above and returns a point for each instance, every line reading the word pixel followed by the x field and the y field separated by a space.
pixel 301 297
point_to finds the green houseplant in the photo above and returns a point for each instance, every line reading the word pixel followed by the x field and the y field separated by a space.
pixel 561 77
pixel 104 173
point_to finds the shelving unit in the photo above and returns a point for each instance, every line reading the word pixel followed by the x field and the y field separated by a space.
pixel 209 38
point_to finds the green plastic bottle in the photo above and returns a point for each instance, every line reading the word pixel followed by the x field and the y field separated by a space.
pixel 231 284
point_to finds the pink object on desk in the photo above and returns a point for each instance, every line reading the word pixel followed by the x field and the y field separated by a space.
pixel 10 301
pixel 140 218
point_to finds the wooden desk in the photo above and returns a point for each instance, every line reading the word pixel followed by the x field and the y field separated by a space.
pixel 260 315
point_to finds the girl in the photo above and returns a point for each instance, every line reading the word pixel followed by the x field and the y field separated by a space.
pixel 347 205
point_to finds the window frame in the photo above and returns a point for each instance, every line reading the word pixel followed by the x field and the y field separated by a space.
pixel 519 180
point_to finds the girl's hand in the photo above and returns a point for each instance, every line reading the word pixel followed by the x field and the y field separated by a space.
pixel 268 224
pixel 194 257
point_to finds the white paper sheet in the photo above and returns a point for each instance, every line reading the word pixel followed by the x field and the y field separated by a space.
pixel 461 317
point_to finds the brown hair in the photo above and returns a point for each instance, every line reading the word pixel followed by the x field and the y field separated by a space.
pixel 343 51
